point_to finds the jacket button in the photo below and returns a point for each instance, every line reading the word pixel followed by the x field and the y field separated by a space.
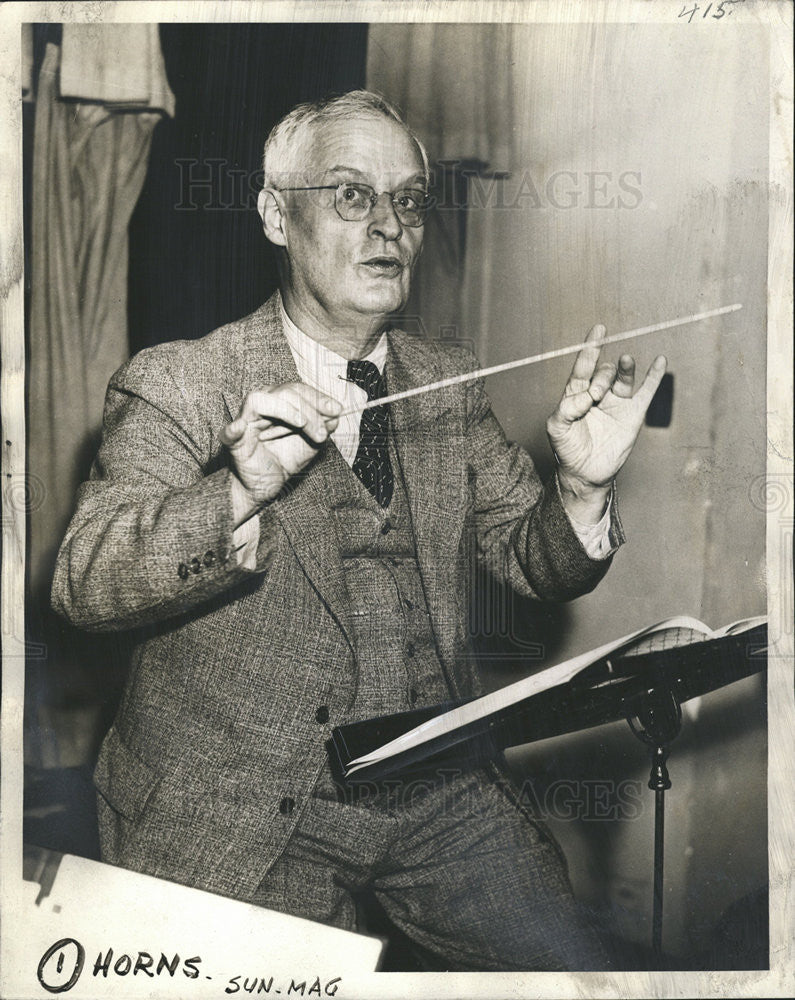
pixel 195 565
pixel 286 805
pixel 209 558
pixel 409 604
pixel 410 649
pixel 386 527
pixel 183 571
pixel 322 714
pixel 413 695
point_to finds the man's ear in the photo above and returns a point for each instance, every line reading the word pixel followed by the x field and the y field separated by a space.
pixel 272 216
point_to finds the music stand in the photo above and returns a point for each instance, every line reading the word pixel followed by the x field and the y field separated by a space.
pixel 645 688
pixel 658 723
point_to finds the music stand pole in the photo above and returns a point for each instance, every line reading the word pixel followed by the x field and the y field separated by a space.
pixel 659 722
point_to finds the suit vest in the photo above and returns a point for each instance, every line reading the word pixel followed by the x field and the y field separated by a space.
pixel 397 664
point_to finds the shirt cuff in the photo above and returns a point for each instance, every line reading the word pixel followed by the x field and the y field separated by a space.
pixel 245 539
pixel 596 539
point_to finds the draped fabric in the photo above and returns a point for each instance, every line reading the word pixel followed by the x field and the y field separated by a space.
pixel 454 84
pixel 120 65
pixel 89 162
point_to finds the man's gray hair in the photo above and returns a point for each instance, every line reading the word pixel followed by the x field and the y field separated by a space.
pixel 288 143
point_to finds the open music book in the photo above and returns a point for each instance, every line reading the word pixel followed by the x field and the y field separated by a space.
pixel 672 633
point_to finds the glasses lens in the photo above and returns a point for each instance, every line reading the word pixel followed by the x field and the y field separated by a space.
pixel 353 201
pixel 411 206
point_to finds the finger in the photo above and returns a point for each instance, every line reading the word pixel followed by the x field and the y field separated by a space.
pixel 586 361
pixel 275 406
pixel 625 379
pixel 651 383
pixel 274 432
pixel 317 400
pixel 320 411
pixel 317 432
pixel 324 412
pixel 574 407
pixel 233 432
pixel 603 379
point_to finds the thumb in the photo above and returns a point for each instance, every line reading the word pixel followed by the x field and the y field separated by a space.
pixel 233 432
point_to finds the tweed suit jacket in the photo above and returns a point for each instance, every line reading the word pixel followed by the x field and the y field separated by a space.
pixel 217 745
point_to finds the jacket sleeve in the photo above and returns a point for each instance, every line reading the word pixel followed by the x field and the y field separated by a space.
pixel 522 531
pixel 151 536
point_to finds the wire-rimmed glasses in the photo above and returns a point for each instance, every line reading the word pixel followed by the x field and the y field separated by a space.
pixel 354 201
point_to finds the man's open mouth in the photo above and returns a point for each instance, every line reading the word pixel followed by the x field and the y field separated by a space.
pixel 389 266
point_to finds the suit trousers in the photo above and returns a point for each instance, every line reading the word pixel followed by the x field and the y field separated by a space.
pixel 458 864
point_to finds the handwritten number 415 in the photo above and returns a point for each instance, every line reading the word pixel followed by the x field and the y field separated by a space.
pixel 719 12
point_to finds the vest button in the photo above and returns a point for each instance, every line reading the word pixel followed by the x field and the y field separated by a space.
pixel 413 695
pixel 286 805
pixel 410 649
pixel 321 715
pixel 409 604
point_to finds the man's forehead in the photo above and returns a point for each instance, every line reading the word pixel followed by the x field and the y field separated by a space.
pixel 365 147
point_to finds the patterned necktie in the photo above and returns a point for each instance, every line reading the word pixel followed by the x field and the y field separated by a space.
pixel 372 464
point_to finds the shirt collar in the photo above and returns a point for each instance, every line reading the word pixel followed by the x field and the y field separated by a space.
pixel 319 366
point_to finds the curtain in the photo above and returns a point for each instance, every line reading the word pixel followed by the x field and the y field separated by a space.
pixel 99 97
pixel 454 84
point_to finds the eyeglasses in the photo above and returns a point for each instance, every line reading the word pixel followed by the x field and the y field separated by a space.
pixel 354 202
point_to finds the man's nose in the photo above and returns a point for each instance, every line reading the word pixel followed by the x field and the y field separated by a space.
pixel 383 218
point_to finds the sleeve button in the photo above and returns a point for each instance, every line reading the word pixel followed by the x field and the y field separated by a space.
pixel 286 805
pixel 183 571
pixel 195 565
pixel 209 558
pixel 322 714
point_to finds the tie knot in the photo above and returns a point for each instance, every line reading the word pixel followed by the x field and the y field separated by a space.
pixel 367 376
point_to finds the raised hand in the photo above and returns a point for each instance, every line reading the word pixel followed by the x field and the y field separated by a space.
pixel 599 417
pixel 277 432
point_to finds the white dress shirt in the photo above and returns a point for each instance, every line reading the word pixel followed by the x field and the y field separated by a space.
pixel 326 371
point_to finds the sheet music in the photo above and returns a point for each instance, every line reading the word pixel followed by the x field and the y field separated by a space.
pixel 689 629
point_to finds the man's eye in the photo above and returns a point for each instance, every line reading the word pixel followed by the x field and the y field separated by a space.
pixel 409 200
pixel 352 195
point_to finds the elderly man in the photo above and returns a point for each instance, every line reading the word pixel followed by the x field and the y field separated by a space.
pixel 282 565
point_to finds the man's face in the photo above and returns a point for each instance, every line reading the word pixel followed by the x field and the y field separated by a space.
pixel 344 271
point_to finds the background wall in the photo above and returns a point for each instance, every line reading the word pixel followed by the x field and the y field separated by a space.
pixel 637 193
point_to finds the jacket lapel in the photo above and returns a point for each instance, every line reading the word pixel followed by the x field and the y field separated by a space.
pixel 428 438
pixel 303 509
pixel 428 441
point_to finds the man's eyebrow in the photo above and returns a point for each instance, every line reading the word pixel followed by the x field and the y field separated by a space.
pixel 342 169
pixel 418 178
